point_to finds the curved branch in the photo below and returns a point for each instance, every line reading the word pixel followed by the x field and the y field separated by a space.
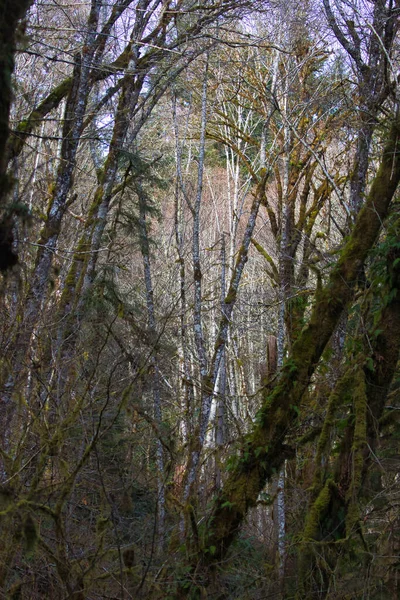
pixel 263 452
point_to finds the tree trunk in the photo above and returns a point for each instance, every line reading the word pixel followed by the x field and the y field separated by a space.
pixel 154 361
pixel 11 11
pixel 264 450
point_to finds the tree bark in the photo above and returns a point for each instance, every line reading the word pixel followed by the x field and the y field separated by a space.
pixel 154 360
pixel 208 382
pixel 264 450
pixel 11 11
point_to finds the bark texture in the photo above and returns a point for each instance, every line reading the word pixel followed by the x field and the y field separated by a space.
pixel 11 12
pixel 264 450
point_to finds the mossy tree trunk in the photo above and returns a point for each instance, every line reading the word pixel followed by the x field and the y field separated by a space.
pixel 334 514
pixel 73 126
pixel 264 450
pixel 11 12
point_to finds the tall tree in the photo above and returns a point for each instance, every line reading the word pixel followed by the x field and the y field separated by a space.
pixel 11 15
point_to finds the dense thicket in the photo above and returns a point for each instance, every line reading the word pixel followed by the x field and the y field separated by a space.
pixel 200 310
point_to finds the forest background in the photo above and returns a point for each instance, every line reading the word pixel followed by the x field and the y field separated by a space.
pixel 200 299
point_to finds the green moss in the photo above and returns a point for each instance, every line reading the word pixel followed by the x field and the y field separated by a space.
pixel 358 447
pixel 54 98
pixel 70 279
pixel 23 126
pixel 341 393
pixel 97 199
pixel 317 510
pixel 265 254
pixel 26 126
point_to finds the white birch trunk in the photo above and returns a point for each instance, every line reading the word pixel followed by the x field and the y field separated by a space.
pixel 220 343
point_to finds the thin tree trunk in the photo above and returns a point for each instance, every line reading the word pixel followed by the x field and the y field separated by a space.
pixel 285 289
pixel 208 382
pixel 72 130
pixel 265 445
pixel 197 274
pixel 184 372
pixel 221 392
pixel 154 359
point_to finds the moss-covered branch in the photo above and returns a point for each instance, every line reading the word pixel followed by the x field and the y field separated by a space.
pixel 386 345
pixel 365 386
pixel 263 452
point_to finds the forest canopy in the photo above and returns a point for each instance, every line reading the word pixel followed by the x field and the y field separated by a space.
pixel 200 299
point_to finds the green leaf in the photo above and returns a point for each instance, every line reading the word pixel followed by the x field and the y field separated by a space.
pixel 369 363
